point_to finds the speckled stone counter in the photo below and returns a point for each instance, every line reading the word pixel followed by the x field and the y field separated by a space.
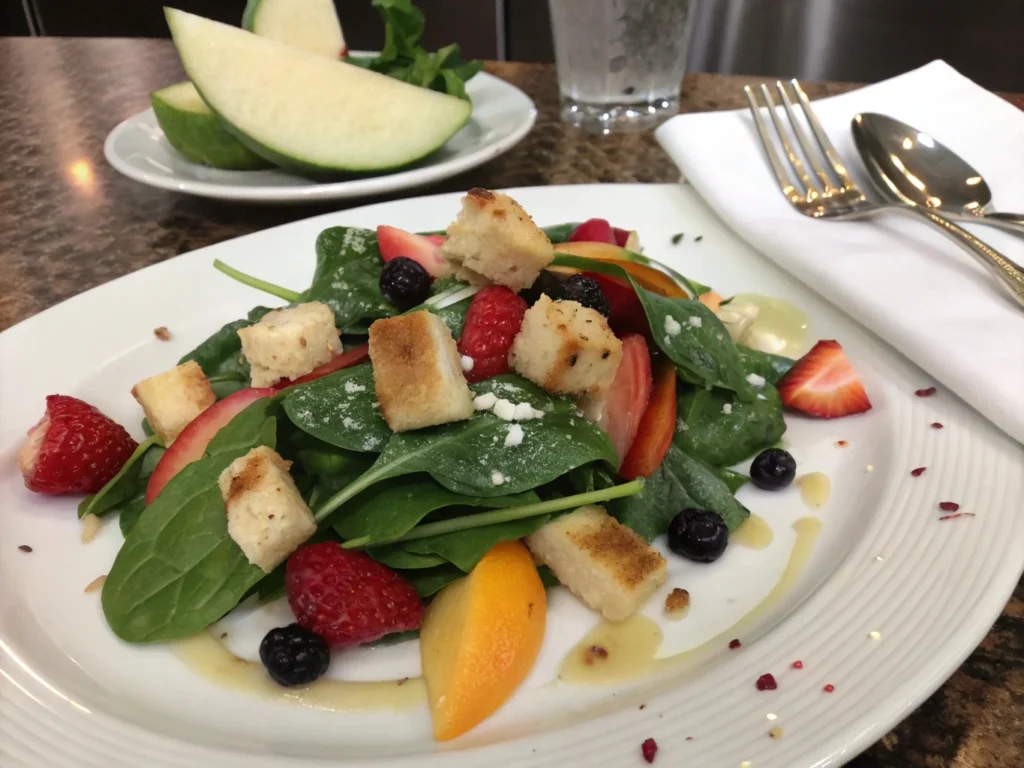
pixel 69 222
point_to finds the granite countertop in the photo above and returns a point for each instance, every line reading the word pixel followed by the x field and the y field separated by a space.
pixel 69 222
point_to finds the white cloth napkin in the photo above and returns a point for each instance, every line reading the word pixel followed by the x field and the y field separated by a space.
pixel 914 288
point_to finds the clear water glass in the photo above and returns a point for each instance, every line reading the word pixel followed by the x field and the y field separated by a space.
pixel 620 62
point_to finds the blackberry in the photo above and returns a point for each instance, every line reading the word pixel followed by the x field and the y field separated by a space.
pixel 546 283
pixel 587 292
pixel 294 656
pixel 773 469
pixel 698 534
pixel 404 283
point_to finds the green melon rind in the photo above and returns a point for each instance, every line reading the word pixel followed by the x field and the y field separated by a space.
pixel 200 138
pixel 249 15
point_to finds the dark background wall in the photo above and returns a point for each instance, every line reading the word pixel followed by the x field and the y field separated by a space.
pixel 859 40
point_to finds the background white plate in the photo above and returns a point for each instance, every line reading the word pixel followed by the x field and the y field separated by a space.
pixel 884 562
pixel 502 116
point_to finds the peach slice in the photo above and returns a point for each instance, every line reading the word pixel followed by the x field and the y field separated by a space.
pixel 648 277
pixel 480 638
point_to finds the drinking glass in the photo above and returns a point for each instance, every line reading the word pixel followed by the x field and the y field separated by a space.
pixel 620 62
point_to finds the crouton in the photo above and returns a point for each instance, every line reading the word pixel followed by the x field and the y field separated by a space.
pixel 288 343
pixel 267 517
pixel 604 563
pixel 566 348
pixel 418 372
pixel 495 240
pixel 173 398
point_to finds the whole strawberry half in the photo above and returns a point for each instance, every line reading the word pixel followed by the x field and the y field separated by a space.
pixel 494 318
pixel 348 598
pixel 73 449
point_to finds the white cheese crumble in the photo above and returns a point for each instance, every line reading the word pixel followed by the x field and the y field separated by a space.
pixel 672 326
pixel 352 388
pixel 485 401
pixel 755 380
pixel 467 363
pixel 682 426
pixel 695 321
pixel 727 408
pixel 523 412
pixel 514 436
pixel 761 397
pixel 504 409
pixel 497 478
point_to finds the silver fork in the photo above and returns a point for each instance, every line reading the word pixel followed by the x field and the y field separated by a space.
pixel 828 192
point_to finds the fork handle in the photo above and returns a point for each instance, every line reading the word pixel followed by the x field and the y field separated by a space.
pixel 1012 222
pixel 1005 271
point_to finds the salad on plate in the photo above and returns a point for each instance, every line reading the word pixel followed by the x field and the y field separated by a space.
pixel 438 429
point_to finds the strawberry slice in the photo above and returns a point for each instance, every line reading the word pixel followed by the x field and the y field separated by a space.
pixel 191 444
pixel 657 426
pixel 425 250
pixel 628 394
pixel 627 238
pixel 593 231
pixel 823 383
pixel 347 359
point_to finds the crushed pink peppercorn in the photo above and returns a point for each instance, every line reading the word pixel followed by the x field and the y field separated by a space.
pixel 926 392
pixel 766 682
pixel 734 644
pixel 829 688
pixel 797 664
pixel 948 506
pixel 649 749
pixel 937 425
pixel 917 472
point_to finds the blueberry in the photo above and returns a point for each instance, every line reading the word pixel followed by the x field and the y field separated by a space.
pixel 294 656
pixel 404 283
pixel 587 292
pixel 698 534
pixel 773 469
pixel 546 283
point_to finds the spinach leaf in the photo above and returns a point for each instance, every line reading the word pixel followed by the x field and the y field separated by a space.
pixel 429 581
pixel 771 367
pixel 454 316
pixel 221 354
pixel 333 467
pixel 255 425
pixel 398 558
pixel 465 548
pixel 733 480
pixel 388 510
pixel 696 341
pixel 130 511
pixel 124 484
pixel 559 233
pixel 547 577
pixel 394 639
pixel 719 438
pixel 347 276
pixel 680 482
pixel 340 409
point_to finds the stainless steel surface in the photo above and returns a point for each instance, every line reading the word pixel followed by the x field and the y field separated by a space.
pixel 925 172
pixel 822 198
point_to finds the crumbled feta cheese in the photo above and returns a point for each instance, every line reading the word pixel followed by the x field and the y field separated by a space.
pixel 761 397
pixel 695 321
pixel 538 414
pixel 504 409
pixel 467 363
pixel 755 380
pixel 682 426
pixel 497 478
pixel 727 408
pixel 523 412
pixel 352 388
pixel 672 326
pixel 485 401
pixel 514 436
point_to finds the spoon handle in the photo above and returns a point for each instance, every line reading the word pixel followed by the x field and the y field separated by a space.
pixel 1005 271
pixel 1014 222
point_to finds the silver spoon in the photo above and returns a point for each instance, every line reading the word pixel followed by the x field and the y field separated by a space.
pixel 912 167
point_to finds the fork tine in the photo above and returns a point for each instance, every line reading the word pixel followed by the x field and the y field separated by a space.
pixel 794 159
pixel 805 144
pixel 823 140
pixel 782 175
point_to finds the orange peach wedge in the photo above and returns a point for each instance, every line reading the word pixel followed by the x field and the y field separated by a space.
pixel 480 638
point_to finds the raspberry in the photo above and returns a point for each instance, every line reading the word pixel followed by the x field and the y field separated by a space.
pixel 346 597
pixel 492 322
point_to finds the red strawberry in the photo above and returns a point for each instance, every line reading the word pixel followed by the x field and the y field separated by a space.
pixel 594 231
pixel 348 598
pixel 352 356
pixel 494 318
pixel 628 394
pixel 73 449
pixel 822 383
pixel 657 426
pixel 423 249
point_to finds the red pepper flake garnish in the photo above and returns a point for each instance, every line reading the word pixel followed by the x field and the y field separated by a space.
pixel 689 738
pixel 936 425
pixel 948 506
pixel 829 688
pixel 954 517
pixel 593 653
pixel 917 472
pixel 24 548
pixel 734 644
pixel 797 664
pixel 649 749
pixel 766 682
pixel 926 392
pixel 841 443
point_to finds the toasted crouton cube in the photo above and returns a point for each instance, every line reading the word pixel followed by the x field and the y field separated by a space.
pixel 566 348
pixel 601 561
pixel 418 372
pixel 495 240
pixel 288 343
pixel 173 398
pixel 267 517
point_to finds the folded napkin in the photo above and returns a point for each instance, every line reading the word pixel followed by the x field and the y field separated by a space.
pixel 914 288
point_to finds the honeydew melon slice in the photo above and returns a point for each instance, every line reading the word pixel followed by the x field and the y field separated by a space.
pixel 307 112
pixel 311 25
pixel 191 128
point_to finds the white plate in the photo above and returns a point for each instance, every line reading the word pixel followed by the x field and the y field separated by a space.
pixel 502 116
pixel 884 562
